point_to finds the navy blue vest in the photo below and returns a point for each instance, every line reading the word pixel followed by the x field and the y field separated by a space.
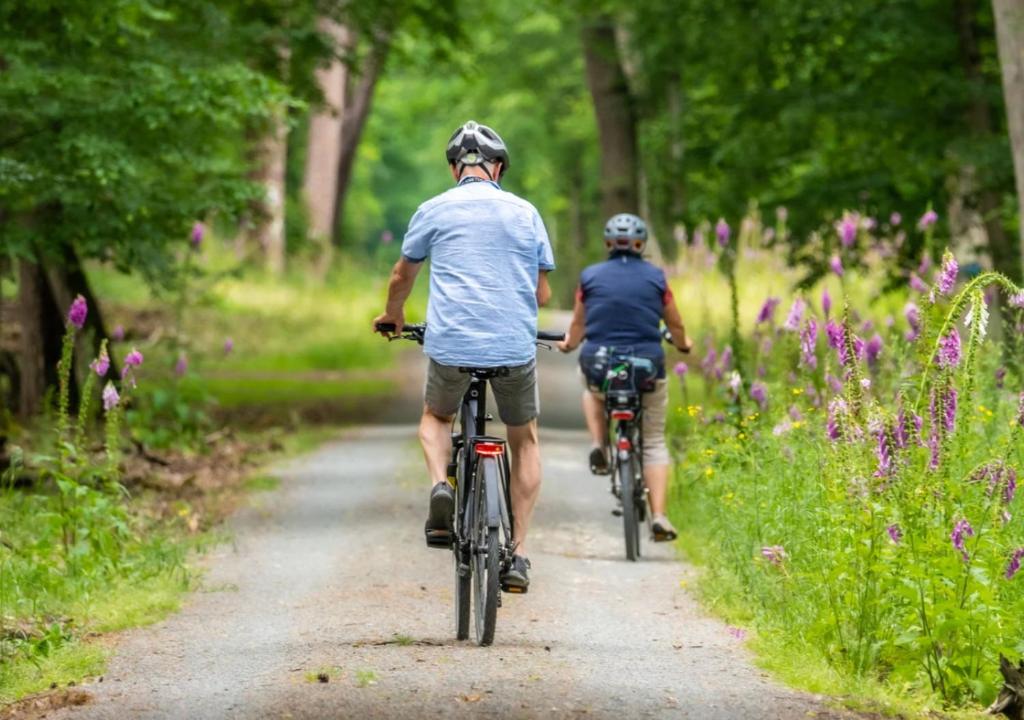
pixel 624 299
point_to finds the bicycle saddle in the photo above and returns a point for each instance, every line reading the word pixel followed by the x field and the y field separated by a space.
pixel 486 373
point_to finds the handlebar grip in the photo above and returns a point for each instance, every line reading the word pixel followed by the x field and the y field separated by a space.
pixel 384 327
pixel 550 336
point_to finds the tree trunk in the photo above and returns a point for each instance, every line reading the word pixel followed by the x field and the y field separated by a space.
pixel 677 178
pixel 616 122
pixel 1009 15
pixel 1002 249
pixel 320 183
pixel 31 362
pixel 269 230
pixel 357 108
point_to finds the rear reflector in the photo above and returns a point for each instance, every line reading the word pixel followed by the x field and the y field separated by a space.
pixel 624 444
pixel 622 414
pixel 490 449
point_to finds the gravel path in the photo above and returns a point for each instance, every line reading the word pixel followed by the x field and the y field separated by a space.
pixel 330 575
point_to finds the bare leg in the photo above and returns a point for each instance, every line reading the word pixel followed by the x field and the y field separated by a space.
pixel 436 438
pixel 656 477
pixel 593 412
pixel 525 487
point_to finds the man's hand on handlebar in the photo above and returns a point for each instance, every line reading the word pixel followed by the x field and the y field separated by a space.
pixel 395 319
pixel 563 346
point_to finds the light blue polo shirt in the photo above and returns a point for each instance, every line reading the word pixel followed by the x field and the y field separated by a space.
pixel 486 247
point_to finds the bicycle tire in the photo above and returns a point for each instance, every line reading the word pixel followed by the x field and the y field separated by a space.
pixel 630 512
pixel 463 582
pixel 487 561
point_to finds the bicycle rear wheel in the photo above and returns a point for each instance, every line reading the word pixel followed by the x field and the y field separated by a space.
pixel 630 509
pixel 486 565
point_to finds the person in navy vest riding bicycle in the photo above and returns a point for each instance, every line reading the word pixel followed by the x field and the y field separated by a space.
pixel 489 255
pixel 620 304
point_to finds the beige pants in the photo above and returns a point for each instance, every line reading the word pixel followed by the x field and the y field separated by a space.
pixel 655 405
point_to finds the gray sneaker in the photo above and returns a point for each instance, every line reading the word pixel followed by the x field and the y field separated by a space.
pixel 662 529
pixel 439 522
pixel 516 578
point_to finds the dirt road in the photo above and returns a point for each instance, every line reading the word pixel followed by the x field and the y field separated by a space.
pixel 329 575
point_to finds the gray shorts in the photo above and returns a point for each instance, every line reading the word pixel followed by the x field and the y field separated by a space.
pixel 515 394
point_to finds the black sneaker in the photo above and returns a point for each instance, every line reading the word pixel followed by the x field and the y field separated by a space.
pixel 598 462
pixel 662 529
pixel 515 578
pixel 439 522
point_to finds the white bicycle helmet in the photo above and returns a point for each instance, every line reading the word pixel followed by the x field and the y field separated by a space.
pixel 625 232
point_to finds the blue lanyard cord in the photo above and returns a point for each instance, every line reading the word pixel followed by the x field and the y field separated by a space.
pixel 473 179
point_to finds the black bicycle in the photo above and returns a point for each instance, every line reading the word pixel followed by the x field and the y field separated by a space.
pixel 483 525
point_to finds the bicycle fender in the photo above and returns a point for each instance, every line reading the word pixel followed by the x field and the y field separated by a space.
pixel 492 490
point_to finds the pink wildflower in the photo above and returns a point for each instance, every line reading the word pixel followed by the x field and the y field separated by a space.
pixel 927 220
pixel 101 365
pixel 110 397
pixel 78 311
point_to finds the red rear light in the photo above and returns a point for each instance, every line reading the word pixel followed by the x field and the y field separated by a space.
pixel 490 449
pixel 622 414
pixel 624 443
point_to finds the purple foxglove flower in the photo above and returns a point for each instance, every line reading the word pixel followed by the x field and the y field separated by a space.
pixel 1020 411
pixel 707 365
pixel 832 429
pixel 834 383
pixel 767 312
pixel 826 302
pixel 794 414
pixel 895 219
pixel 835 263
pixel 1016 300
pixel 78 311
pixel 927 220
pixel 133 359
pixel 1010 486
pixel 795 315
pixel 883 452
pixel 961 530
pixel 118 333
pixel 722 232
pixel 869 223
pixel 198 230
pixel 874 348
pixel 725 361
pixel 834 333
pixel 775 554
pixel 859 347
pixel 759 394
pixel 895 534
pixel 761 371
pixel 947 273
pixel 101 365
pixel 110 397
pixel 229 345
pixel 913 315
pixel 781 213
pixel 181 366
pixel 847 229
pixel 681 369
pixel 809 344
pixel 949 409
pixel 1014 565
pixel 917 284
pixel 735 383
pixel 949 350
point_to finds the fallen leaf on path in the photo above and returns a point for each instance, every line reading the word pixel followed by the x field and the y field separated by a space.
pixel 475 697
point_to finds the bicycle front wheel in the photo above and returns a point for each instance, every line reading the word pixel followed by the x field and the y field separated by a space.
pixel 630 507
pixel 487 550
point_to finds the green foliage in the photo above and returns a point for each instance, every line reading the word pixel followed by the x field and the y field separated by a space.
pixel 837 514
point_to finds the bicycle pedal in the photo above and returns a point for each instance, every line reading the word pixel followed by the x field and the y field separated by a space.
pixel 441 539
pixel 617 512
pixel 514 589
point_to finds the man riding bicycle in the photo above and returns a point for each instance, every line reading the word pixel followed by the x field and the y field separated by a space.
pixel 620 304
pixel 490 256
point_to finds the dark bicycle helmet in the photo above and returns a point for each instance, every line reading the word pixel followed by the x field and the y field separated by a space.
pixel 625 232
pixel 475 144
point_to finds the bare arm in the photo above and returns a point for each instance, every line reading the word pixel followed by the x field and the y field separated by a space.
pixel 403 277
pixel 577 328
pixel 543 288
pixel 674 323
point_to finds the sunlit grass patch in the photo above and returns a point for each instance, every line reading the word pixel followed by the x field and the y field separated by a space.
pixel 67 664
